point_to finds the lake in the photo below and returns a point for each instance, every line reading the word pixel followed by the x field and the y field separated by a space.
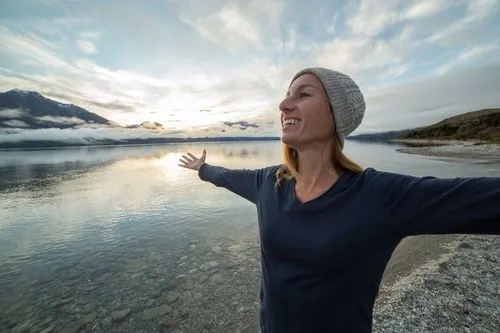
pixel 121 239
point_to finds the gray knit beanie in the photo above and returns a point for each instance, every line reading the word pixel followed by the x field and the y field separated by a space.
pixel 345 97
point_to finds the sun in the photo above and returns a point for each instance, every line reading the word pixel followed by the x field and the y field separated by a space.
pixel 169 164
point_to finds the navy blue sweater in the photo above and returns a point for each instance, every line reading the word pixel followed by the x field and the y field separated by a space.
pixel 323 260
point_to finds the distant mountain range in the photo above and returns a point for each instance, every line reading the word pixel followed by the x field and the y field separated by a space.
pixel 22 111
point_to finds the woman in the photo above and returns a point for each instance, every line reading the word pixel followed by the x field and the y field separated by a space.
pixel 328 227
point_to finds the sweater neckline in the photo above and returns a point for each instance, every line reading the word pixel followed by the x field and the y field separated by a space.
pixel 334 187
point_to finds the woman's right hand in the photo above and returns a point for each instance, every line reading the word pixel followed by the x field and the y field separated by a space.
pixel 190 161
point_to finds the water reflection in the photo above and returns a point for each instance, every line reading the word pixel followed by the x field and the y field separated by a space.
pixel 242 152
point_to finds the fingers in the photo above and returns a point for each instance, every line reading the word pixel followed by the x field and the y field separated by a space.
pixel 185 160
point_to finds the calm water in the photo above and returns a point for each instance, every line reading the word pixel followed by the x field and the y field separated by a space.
pixel 121 239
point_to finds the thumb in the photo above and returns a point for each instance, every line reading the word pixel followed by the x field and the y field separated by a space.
pixel 204 155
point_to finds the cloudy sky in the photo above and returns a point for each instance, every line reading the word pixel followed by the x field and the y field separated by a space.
pixel 191 64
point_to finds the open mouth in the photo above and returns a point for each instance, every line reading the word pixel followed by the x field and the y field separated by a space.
pixel 290 122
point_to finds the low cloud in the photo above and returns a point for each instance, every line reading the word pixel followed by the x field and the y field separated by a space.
pixel 83 135
pixel 11 113
pixel 61 120
pixel 14 123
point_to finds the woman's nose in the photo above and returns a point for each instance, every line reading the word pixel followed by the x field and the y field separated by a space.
pixel 286 105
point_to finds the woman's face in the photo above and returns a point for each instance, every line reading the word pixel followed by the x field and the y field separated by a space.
pixel 305 113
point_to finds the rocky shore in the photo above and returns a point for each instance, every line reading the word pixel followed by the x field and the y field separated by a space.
pixel 477 150
pixel 457 292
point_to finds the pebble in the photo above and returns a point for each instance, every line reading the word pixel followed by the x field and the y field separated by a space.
pixel 156 312
pixel 89 307
pixel 107 322
pixel 62 302
pixel 77 325
pixel 173 296
pixel 217 278
pixel 120 315
pixel 208 265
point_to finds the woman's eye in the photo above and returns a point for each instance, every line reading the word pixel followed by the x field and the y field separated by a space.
pixel 303 94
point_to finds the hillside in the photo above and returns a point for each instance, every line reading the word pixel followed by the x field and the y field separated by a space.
pixel 481 125
pixel 379 136
pixel 31 110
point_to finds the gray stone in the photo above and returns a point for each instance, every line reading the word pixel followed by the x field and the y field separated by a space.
pixel 173 296
pixel 77 325
pixel 22 327
pixel 184 312
pixel 189 284
pixel 89 307
pixel 61 302
pixel 120 314
pixel 217 278
pixel 170 323
pixel 135 265
pixel 48 330
pixel 156 312
pixel 107 322
pixel 208 265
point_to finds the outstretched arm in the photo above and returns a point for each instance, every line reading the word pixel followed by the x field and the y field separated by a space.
pixel 429 205
pixel 243 182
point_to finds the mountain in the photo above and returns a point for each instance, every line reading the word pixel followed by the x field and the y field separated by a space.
pixel 30 110
pixel 149 125
pixel 481 125
pixel 243 125
pixel 379 136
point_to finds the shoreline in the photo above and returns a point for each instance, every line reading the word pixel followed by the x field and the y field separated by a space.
pixel 474 149
pixel 457 291
pixel 450 283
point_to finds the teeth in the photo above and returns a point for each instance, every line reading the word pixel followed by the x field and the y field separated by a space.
pixel 290 121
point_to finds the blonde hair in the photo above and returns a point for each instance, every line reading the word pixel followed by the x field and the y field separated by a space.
pixel 289 168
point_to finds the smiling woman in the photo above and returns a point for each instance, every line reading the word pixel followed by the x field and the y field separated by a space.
pixel 327 227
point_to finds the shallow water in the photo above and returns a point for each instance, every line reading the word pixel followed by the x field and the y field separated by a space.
pixel 121 239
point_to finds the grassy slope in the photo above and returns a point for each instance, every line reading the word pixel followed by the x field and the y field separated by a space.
pixel 475 125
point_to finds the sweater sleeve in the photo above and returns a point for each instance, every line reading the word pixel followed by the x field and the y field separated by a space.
pixel 430 205
pixel 243 182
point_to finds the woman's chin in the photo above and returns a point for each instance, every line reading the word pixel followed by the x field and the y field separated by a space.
pixel 288 138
